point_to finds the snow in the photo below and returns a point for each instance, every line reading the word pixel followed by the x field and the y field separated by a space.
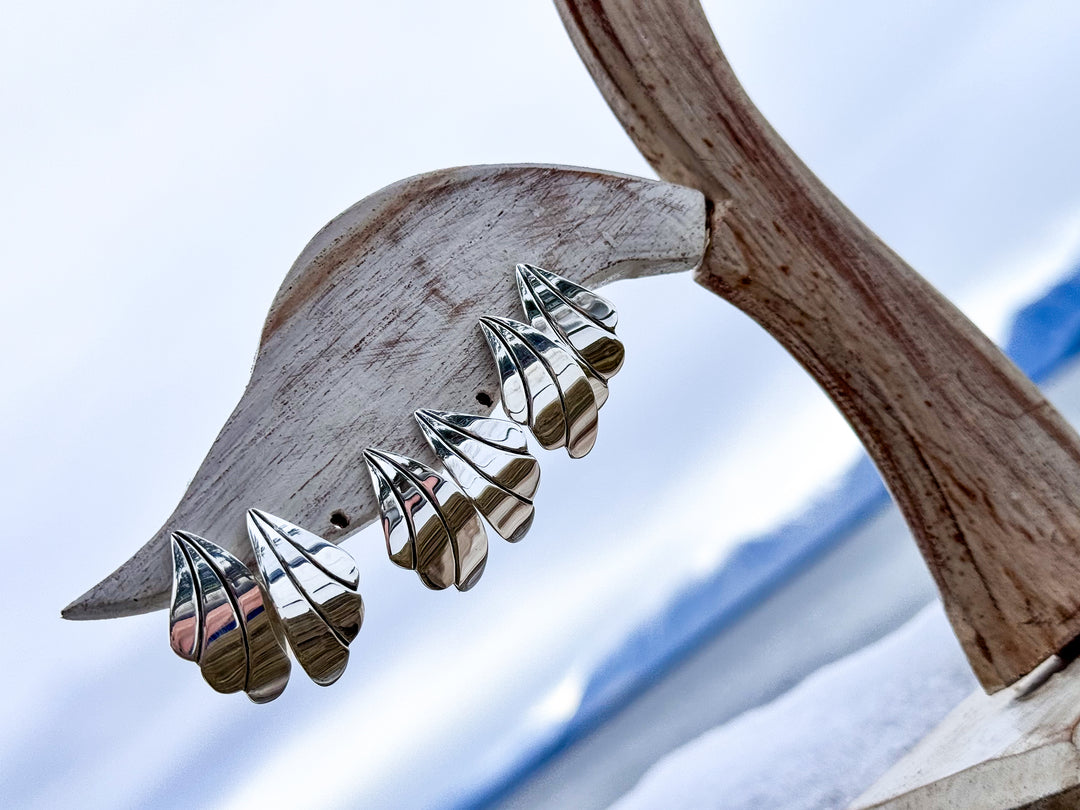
pixel 823 743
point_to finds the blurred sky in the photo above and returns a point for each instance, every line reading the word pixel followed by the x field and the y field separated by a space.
pixel 161 165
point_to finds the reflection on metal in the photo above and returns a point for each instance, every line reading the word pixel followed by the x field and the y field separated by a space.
pixel 313 586
pixel 430 525
pixel 219 618
pixel 490 461
pixel 576 317
pixel 543 386
pixel 594 307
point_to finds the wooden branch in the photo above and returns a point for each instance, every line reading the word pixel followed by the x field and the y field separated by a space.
pixel 994 752
pixel 378 317
pixel 986 472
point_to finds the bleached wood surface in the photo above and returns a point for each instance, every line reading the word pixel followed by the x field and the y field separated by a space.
pixel 985 470
pixel 994 752
pixel 378 317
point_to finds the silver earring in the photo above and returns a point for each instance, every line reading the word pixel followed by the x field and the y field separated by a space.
pixel 489 459
pixel 313 586
pixel 543 385
pixel 220 619
pixel 578 317
pixel 430 525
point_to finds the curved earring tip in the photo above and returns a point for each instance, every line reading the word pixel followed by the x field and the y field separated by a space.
pixel 583 446
pixel 473 577
pixel 523 529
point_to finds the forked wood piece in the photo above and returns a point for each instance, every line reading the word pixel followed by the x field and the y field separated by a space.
pixel 994 752
pixel 378 317
pixel 986 472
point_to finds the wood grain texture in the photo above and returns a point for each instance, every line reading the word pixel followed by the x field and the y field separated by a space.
pixel 986 472
pixel 378 317
pixel 995 753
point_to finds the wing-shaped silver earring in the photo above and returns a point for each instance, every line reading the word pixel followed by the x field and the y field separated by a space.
pixel 576 316
pixel 543 386
pixel 219 618
pixel 489 459
pixel 430 525
pixel 313 586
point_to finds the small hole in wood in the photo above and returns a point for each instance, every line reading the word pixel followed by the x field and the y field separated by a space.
pixel 484 399
pixel 339 519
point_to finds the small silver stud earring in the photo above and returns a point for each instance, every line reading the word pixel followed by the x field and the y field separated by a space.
pixel 220 618
pixel 576 316
pixel 543 386
pixel 430 525
pixel 313 586
pixel 489 459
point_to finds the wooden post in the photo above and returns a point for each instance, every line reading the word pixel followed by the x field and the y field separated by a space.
pixel 986 472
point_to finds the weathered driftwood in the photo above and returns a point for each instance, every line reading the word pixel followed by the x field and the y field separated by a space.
pixel 378 317
pixel 994 752
pixel 986 472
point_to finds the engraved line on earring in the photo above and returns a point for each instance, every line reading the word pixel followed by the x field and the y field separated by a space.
pixel 489 459
pixel 429 523
pixel 591 339
pixel 543 385
pixel 594 307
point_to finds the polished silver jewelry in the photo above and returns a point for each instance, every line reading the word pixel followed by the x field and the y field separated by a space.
pixel 313 587
pixel 220 618
pixel 543 386
pixel 489 459
pixel 430 525
pixel 553 374
pixel 575 316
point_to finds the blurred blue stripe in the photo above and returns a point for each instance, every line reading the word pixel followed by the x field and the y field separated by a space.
pixel 1044 336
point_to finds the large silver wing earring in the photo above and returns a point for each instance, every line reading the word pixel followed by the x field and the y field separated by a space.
pixel 543 386
pixel 489 459
pixel 578 317
pixel 313 586
pixel 430 525
pixel 220 618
